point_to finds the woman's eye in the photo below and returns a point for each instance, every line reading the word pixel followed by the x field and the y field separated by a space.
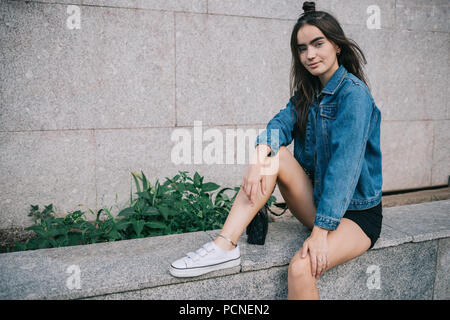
pixel 303 49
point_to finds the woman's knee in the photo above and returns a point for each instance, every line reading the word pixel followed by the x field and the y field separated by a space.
pixel 284 154
pixel 273 164
pixel 287 167
pixel 300 268
pixel 284 160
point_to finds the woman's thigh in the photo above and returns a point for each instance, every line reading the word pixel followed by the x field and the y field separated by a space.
pixel 296 188
pixel 345 243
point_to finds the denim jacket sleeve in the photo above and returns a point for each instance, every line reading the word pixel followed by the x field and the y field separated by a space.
pixel 279 130
pixel 348 139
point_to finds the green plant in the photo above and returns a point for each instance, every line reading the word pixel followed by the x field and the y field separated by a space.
pixel 71 230
pixel 181 204
pixel 50 231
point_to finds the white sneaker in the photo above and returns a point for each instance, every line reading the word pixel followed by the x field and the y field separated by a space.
pixel 209 257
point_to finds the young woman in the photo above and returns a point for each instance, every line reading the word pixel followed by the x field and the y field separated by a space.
pixel 332 182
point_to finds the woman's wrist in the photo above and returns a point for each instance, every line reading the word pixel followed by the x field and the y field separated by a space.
pixel 320 231
pixel 261 153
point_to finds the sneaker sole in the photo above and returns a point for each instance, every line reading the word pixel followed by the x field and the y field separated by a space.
pixel 194 272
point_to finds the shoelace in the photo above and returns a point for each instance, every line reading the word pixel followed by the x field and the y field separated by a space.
pixel 203 251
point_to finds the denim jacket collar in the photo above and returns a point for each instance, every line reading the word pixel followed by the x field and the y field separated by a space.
pixel 334 82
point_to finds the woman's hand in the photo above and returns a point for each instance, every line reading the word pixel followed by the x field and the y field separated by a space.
pixel 253 178
pixel 317 245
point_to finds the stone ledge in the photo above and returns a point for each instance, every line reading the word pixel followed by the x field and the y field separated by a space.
pixel 132 269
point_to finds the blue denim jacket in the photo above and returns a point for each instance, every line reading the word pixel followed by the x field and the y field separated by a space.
pixel 341 150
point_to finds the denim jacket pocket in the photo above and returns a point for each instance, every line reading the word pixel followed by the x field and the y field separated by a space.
pixel 328 111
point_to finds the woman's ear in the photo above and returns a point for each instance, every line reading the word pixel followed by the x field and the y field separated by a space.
pixel 336 47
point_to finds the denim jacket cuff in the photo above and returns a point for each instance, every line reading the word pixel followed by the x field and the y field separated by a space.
pixel 326 222
pixel 265 138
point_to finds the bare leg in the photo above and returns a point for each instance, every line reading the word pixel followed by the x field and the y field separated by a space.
pixel 345 243
pixel 295 188
pixel 301 283
pixel 241 214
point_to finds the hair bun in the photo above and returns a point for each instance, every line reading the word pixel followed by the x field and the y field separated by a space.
pixel 309 6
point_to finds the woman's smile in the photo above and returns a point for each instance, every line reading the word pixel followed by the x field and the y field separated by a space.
pixel 314 65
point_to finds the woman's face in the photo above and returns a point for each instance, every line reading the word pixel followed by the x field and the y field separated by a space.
pixel 317 53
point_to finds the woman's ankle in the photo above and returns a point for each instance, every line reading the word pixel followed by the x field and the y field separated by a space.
pixel 224 244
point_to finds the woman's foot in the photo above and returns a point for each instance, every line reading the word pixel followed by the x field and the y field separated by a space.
pixel 210 257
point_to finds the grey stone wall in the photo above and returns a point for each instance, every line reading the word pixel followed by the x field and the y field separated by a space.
pixel 83 108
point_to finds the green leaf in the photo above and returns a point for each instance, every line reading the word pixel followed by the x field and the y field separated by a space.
pixel 99 212
pixel 184 175
pixel 34 211
pixel 38 230
pixel 221 196
pixel 197 180
pixel 47 209
pixel 144 182
pixel 127 212
pixel 74 239
pixel 145 195
pixel 131 194
pixel 151 211
pixel 122 224
pixel 190 187
pixel 138 187
pixel 58 231
pixel 44 244
pixel 181 187
pixel 20 246
pixel 156 225
pixel 138 225
pixel 113 235
pixel 165 211
pixel 157 187
pixel 110 215
pixel 210 186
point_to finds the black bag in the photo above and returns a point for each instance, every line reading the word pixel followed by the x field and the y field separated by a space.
pixel 257 229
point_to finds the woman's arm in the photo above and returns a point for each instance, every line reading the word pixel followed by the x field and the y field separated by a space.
pixel 262 151
pixel 278 133
pixel 279 130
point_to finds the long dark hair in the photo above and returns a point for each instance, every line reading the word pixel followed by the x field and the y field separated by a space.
pixel 302 83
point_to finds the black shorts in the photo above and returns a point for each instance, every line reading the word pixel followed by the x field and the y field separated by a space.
pixel 369 220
